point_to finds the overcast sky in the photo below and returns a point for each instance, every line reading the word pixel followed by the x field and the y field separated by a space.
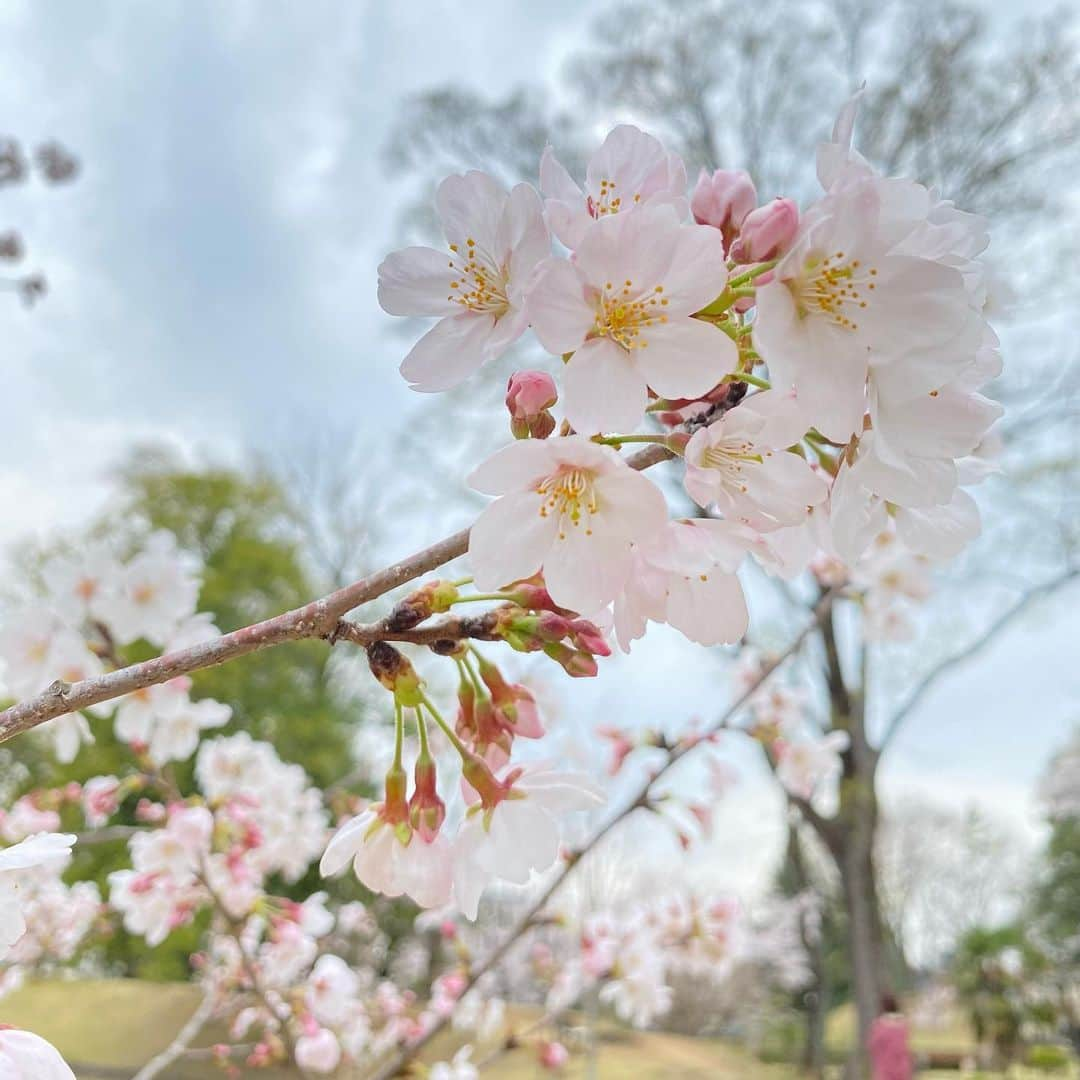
pixel 212 285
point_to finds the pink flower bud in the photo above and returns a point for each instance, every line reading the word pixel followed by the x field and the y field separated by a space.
pixel 723 200
pixel 553 1055
pixel 767 233
pixel 529 395
pixel 426 810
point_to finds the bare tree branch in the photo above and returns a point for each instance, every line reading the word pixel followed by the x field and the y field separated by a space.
pixel 179 1046
pixel 319 619
pixel 974 648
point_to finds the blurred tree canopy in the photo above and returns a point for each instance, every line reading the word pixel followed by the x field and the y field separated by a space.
pixel 950 99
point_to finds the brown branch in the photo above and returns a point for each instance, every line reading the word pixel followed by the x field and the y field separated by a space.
pixel 396 1066
pixel 318 619
pixel 448 630
pixel 828 829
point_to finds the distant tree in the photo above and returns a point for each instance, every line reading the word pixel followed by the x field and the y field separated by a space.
pixel 944 872
pixel 992 971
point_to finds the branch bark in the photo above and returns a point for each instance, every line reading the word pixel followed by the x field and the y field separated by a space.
pixel 396 1066
pixel 318 619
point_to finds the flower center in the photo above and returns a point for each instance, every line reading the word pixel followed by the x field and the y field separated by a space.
pixel 730 458
pixel 834 287
pixel 568 494
pixel 477 284
pixel 143 593
pixel 607 202
pixel 621 316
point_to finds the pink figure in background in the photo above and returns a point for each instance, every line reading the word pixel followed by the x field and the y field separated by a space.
pixel 890 1053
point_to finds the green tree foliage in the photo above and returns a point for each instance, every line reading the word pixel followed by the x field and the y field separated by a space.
pixel 994 971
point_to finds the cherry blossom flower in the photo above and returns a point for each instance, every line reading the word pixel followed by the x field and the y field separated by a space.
pixel 155 593
pixel 630 171
pixel 639 993
pixel 40 850
pixel 165 719
pixel 79 584
pixel 939 525
pixel 623 307
pixel 58 916
pixel 285 810
pixel 569 506
pixel 332 988
pixel 805 765
pixel 26 640
pixel 24 1055
pixel 519 833
pixel 460 1067
pixel 100 799
pixel 391 858
pixel 842 299
pixel 686 577
pixel 25 818
pixel 739 465
pixel 318 1051
pixel 496 239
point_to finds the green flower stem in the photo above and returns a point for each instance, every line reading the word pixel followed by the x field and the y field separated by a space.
pixel 474 677
pixel 399 736
pixel 421 731
pixel 749 275
pixel 477 597
pixel 746 377
pixel 618 440
pixel 447 730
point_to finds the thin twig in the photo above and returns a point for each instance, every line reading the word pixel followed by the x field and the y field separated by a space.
pixel 394 1067
pixel 318 619
pixel 513 1038
pixel 180 1045
pixel 975 647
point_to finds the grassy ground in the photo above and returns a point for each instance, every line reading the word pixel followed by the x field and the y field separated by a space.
pixel 108 1028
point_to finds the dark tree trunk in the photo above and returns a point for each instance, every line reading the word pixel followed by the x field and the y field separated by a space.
pixel 856 864
pixel 850 838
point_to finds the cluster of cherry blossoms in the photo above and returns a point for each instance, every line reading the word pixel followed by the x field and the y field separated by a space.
pixel 816 374
pixel 258 817
pixel 510 826
pixel 96 605
pixel 816 371
pixel 26 870
pixel 819 372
